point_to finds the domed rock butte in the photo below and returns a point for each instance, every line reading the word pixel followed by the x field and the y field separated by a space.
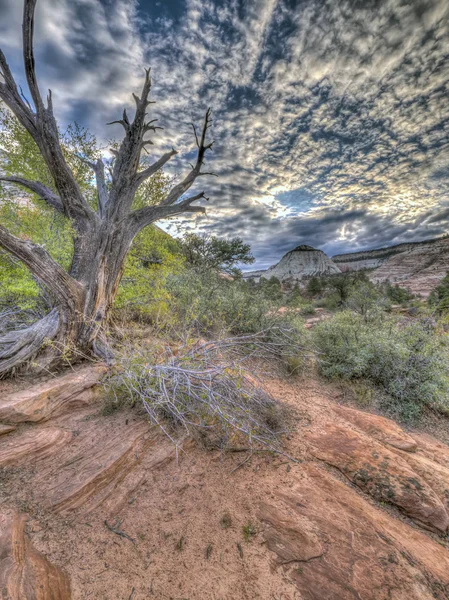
pixel 303 261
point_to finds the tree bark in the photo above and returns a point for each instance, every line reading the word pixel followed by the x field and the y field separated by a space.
pixel 82 298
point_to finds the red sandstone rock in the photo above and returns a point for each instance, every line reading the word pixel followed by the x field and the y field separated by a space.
pixel 98 465
pixel 54 397
pixel 25 574
pixel 292 540
pixel 367 553
pixel 381 473
pixel 15 450
pixel 380 428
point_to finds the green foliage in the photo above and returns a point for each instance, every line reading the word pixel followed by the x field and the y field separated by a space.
pixel 439 299
pixel 295 298
pixel 271 289
pixel 143 294
pixel 249 530
pixel 308 310
pixel 210 252
pixel 365 300
pixel 27 216
pixel 153 256
pixel 315 286
pixel 343 284
pixel 396 293
pixel 407 362
pixel 208 304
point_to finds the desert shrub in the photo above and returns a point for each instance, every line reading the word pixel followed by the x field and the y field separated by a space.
pixel 271 289
pixel 308 310
pixel 315 286
pixel 330 302
pixel 207 304
pixel 408 362
pixel 295 298
pixel 397 294
pixel 439 298
pixel 202 391
pixel 366 300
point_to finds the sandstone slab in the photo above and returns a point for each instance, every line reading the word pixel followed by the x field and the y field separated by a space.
pixel 380 428
pixel 31 445
pixel 381 473
pixel 53 397
pixel 292 540
pixel 367 555
pixel 25 574
pixel 100 466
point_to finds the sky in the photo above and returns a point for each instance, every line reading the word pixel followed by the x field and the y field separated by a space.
pixel 330 118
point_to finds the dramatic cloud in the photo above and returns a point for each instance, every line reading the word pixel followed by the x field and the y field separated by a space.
pixel 331 118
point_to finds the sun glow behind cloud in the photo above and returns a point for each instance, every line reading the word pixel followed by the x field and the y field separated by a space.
pixel 331 118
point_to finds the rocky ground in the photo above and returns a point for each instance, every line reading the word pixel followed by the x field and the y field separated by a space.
pixel 101 507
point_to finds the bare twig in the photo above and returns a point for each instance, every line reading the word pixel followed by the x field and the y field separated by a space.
pixel 119 532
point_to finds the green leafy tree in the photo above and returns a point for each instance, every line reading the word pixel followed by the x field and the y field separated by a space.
pixel 315 286
pixel 210 252
pixel 440 295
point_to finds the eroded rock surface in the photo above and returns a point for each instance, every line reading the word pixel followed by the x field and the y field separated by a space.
pixel 53 397
pixel 32 445
pixel 25 574
pixel 293 540
pixel 367 553
pixel 380 428
pixel 381 473
pixel 111 507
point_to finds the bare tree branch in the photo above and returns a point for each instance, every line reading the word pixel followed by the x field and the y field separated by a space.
pixel 10 95
pixel 152 169
pixel 42 127
pixel 102 189
pixel 38 188
pixel 143 217
pixel 181 188
pixel 128 155
pixel 43 267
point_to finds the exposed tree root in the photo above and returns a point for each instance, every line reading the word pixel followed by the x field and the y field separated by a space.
pixel 20 346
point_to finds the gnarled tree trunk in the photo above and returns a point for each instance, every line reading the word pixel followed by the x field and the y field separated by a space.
pixel 103 236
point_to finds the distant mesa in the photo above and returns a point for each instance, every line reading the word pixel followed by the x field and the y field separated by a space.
pixel 301 262
pixel 418 266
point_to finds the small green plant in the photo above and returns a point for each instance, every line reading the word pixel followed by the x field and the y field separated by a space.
pixel 295 365
pixel 308 310
pixel 248 530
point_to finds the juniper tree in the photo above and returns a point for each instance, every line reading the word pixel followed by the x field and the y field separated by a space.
pixel 82 295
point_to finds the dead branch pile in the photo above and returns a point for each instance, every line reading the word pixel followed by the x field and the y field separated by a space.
pixel 204 392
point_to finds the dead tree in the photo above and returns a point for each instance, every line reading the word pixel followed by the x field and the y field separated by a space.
pixel 103 236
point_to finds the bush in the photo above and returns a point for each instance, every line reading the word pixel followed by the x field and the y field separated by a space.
pixel 407 362
pixel 207 304
pixel 398 294
pixel 308 310
pixel 365 300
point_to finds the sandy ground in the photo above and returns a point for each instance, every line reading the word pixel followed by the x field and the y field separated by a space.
pixel 183 522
